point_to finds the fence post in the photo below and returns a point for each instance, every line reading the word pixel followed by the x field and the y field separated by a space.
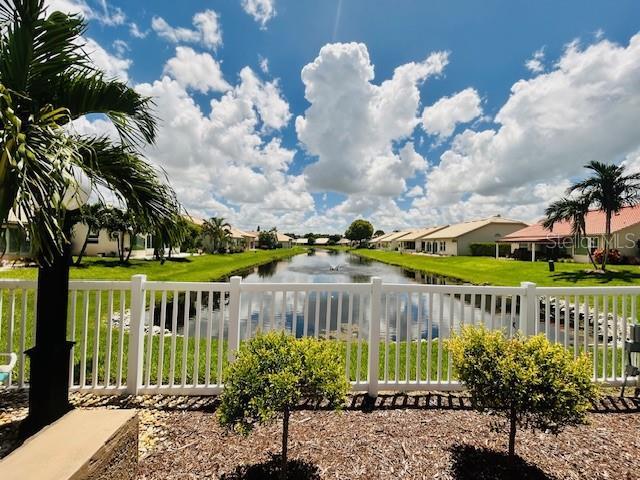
pixel 136 334
pixel 234 318
pixel 374 336
pixel 528 320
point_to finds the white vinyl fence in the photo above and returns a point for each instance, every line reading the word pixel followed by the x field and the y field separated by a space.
pixel 146 337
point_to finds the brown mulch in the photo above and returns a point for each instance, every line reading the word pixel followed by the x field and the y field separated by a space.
pixel 401 436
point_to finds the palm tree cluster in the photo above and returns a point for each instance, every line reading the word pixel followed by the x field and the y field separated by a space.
pixel 608 188
pixel 47 80
pixel 215 234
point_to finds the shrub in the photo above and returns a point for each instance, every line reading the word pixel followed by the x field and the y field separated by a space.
pixel 489 249
pixel 272 373
pixel 614 257
pixel 530 382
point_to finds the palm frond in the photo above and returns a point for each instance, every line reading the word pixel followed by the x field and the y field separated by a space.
pixel 130 112
pixel 136 182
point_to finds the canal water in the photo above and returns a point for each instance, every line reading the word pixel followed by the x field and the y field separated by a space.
pixel 404 316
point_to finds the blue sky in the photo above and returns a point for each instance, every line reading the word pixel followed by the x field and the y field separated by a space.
pixel 463 126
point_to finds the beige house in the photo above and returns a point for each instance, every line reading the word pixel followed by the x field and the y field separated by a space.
pixel 389 241
pixel 301 241
pixel 284 241
pixel 239 239
pixel 457 239
pixel 414 241
pixel 321 241
pixel 101 244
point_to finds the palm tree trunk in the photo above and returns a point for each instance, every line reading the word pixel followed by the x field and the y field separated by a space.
pixel 83 249
pixel 607 240
pixel 593 262
pixel 131 237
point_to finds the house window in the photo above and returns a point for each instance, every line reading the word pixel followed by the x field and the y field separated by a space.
pixel 428 245
pixel 16 241
pixel 94 235
pixel 443 246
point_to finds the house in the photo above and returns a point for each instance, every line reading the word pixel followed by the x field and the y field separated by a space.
pixel 413 241
pixel 14 241
pixel 344 242
pixel 389 241
pixel 536 241
pixel 284 241
pixel 322 241
pixel 100 243
pixel 241 240
pixel 456 239
pixel 301 241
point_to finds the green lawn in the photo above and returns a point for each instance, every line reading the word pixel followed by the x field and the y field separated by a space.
pixel 205 268
pixel 486 270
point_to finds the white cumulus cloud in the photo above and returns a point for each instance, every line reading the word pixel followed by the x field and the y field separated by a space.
pixel 536 63
pixel 586 108
pixel 199 71
pixel 261 10
pixel 443 116
pixel 359 131
pixel 206 31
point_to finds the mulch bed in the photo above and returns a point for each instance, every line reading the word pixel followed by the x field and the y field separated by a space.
pixel 401 436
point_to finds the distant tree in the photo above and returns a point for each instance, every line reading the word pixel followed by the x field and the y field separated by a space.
pixel 378 233
pixel 161 241
pixel 268 240
pixel 334 239
pixel 359 231
pixel 529 382
pixel 574 211
pixel 272 374
pixel 92 217
pixel 192 236
pixel 216 230
pixel 610 190
pixel 311 238
pixel 119 225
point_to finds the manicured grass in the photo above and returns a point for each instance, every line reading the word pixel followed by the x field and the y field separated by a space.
pixel 204 268
pixel 485 270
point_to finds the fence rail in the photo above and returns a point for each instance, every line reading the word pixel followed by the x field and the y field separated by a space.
pixel 147 337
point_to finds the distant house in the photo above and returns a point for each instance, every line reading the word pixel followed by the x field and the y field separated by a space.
pixel 239 239
pixel 322 241
pixel 344 242
pixel 456 239
pixel 284 241
pixel 389 241
pixel 301 241
pixel 535 240
pixel 414 241
pixel 14 242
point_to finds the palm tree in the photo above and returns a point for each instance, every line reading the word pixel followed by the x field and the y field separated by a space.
pixel 217 230
pixel 573 210
pixel 46 81
pixel 610 189
pixel 92 217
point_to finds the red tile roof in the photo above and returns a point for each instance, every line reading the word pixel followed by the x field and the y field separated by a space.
pixel 595 223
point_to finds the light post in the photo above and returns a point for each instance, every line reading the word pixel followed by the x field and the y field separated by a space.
pixel 49 378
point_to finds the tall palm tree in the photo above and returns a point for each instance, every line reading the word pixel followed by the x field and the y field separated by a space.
pixel 217 229
pixel 574 211
pixel 610 189
pixel 46 81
